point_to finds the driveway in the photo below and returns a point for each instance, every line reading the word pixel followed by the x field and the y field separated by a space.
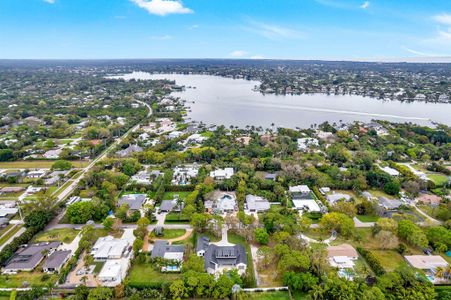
pixel 224 237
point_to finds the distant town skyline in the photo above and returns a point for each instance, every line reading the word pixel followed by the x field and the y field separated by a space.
pixel 378 30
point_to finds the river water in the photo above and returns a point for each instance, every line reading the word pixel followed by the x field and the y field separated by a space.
pixel 225 101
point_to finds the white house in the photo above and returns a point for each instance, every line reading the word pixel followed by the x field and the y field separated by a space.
pixel 305 143
pixel 36 173
pixel 221 174
pixel 299 191
pixel 308 205
pixel 226 202
pixel 117 253
pixel 335 197
pixel 256 203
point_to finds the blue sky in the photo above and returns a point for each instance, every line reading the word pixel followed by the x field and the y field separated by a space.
pixel 286 29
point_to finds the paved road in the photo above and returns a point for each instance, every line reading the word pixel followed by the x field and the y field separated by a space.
pixel 124 226
pixel 360 224
pixel 75 181
pixel 430 221
pixel 19 232
pixel 69 189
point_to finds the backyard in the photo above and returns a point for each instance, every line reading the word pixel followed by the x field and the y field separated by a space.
pixel 389 259
pixel 23 279
pixel 145 275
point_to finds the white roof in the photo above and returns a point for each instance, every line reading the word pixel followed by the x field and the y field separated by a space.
pixel 303 143
pixel 337 196
pixel 108 246
pixel 390 171
pixel 310 204
pixel 226 202
pixel 111 269
pixel 299 189
pixel 226 173
pixel 426 262
pixel 174 256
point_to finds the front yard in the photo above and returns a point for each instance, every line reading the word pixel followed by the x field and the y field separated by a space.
pixel 64 235
pixel 169 234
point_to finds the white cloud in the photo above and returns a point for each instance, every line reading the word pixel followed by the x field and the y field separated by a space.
pixel 365 5
pixel 161 37
pixel 50 1
pixel 444 19
pixel 163 7
pixel 194 26
pixel 272 31
pixel 443 35
pixel 418 52
pixel 238 53
pixel 257 57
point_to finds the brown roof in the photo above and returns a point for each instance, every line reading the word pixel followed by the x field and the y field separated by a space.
pixel 12 189
pixel 429 199
pixel 342 250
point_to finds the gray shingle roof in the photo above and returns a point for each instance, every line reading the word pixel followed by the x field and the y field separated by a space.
pixel 224 255
pixel 29 256
pixel 56 259
pixel 202 243
pixel 162 247
pixel 134 201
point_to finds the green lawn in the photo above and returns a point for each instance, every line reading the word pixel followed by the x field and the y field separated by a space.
pixel 142 274
pixel 389 259
pixel 99 266
pixel 170 234
pixel 438 179
pixel 9 234
pixel 64 235
pixel 174 218
pixel 170 195
pixel 279 295
pixel 30 278
pixel 32 164
pixel 365 218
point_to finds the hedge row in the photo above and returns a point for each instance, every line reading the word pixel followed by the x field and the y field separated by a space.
pixel 180 188
pixel 372 261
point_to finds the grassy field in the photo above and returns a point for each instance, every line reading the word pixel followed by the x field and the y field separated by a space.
pixel 29 278
pixel 145 274
pixel 33 164
pixel 279 295
pixel 389 259
pixel 170 234
pixel 9 234
pixel 438 179
pixel 64 235
pixel 170 195
pixel 174 218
